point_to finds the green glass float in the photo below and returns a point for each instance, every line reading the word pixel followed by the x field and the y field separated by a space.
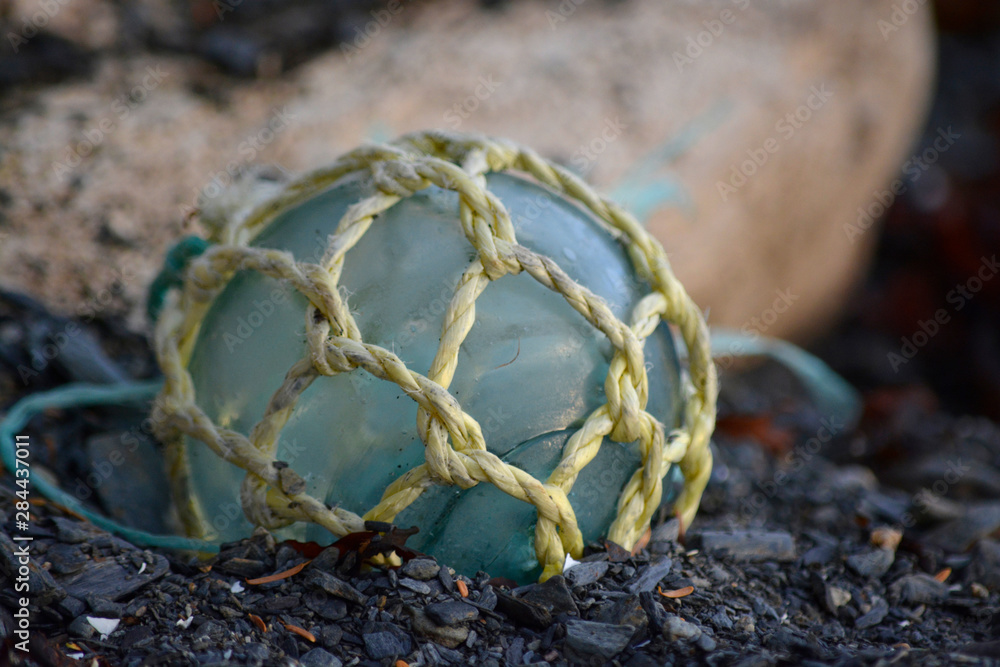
pixel 446 332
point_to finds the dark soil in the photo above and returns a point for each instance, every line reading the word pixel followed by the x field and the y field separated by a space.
pixel 818 542
pixel 871 548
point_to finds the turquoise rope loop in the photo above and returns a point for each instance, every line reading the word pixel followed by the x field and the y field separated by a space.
pixel 76 396
pixel 171 275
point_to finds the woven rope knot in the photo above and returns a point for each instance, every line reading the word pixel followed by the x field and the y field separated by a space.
pixel 397 178
pixel 274 495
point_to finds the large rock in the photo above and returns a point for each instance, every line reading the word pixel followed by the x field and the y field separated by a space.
pixel 657 102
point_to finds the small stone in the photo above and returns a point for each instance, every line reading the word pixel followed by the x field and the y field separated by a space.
pixel 383 640
pixel 873 563
pixel 980 520
pixel 523 612
pixel 625 611
pixel 279 604
pixel 666 532
pixel 853 478
pixel 71 531
pixel 918 589
pixel 487 598
pixel 985 564
pixel 749 545
pixel 256 653
pixel 326 560
pixel 451 612
pixel 229 613
pixel 745 625
pixel 334 586
pixel 835 598
pixel 587 640
pixel 720 619
pixel 115 578
pixel 706 643
pixel 104 607
pixel 821 554
pixel 422 569
pixel 677 629
pixel 447 581
pixel 650 576
pixel 330 608
pixel 878 612
pixel 65 559
pixel 886 538
pixel 554 595
pixel 211 629
pixel 515 651
pixel 319 657
pixel 415 586
pixel 137 636
pixel 243 567
pixel 80 627
pixel 446 635
pixel 71 607
pixel 586 573
pixel 330 635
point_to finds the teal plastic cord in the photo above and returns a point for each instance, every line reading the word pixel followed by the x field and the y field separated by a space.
pixel 74 396
pixel 833 395
pixel 172 273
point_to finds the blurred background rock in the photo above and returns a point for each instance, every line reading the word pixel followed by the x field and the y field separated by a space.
pixel 114 115
pixel 117 114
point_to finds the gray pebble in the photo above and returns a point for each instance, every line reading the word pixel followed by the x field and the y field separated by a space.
pixel 873 563
pixel 586 640
pixel 319 657
pixel 918 589
pixel 422 569
pixel 677 629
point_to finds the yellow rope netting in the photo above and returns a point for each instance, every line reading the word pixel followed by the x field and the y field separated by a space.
pixel 273 495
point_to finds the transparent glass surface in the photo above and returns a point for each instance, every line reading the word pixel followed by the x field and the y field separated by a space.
pixel 530 371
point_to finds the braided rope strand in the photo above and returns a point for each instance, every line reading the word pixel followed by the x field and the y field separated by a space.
pixel 273 495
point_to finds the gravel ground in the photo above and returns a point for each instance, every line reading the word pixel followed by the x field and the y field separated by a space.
pixel 818 542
